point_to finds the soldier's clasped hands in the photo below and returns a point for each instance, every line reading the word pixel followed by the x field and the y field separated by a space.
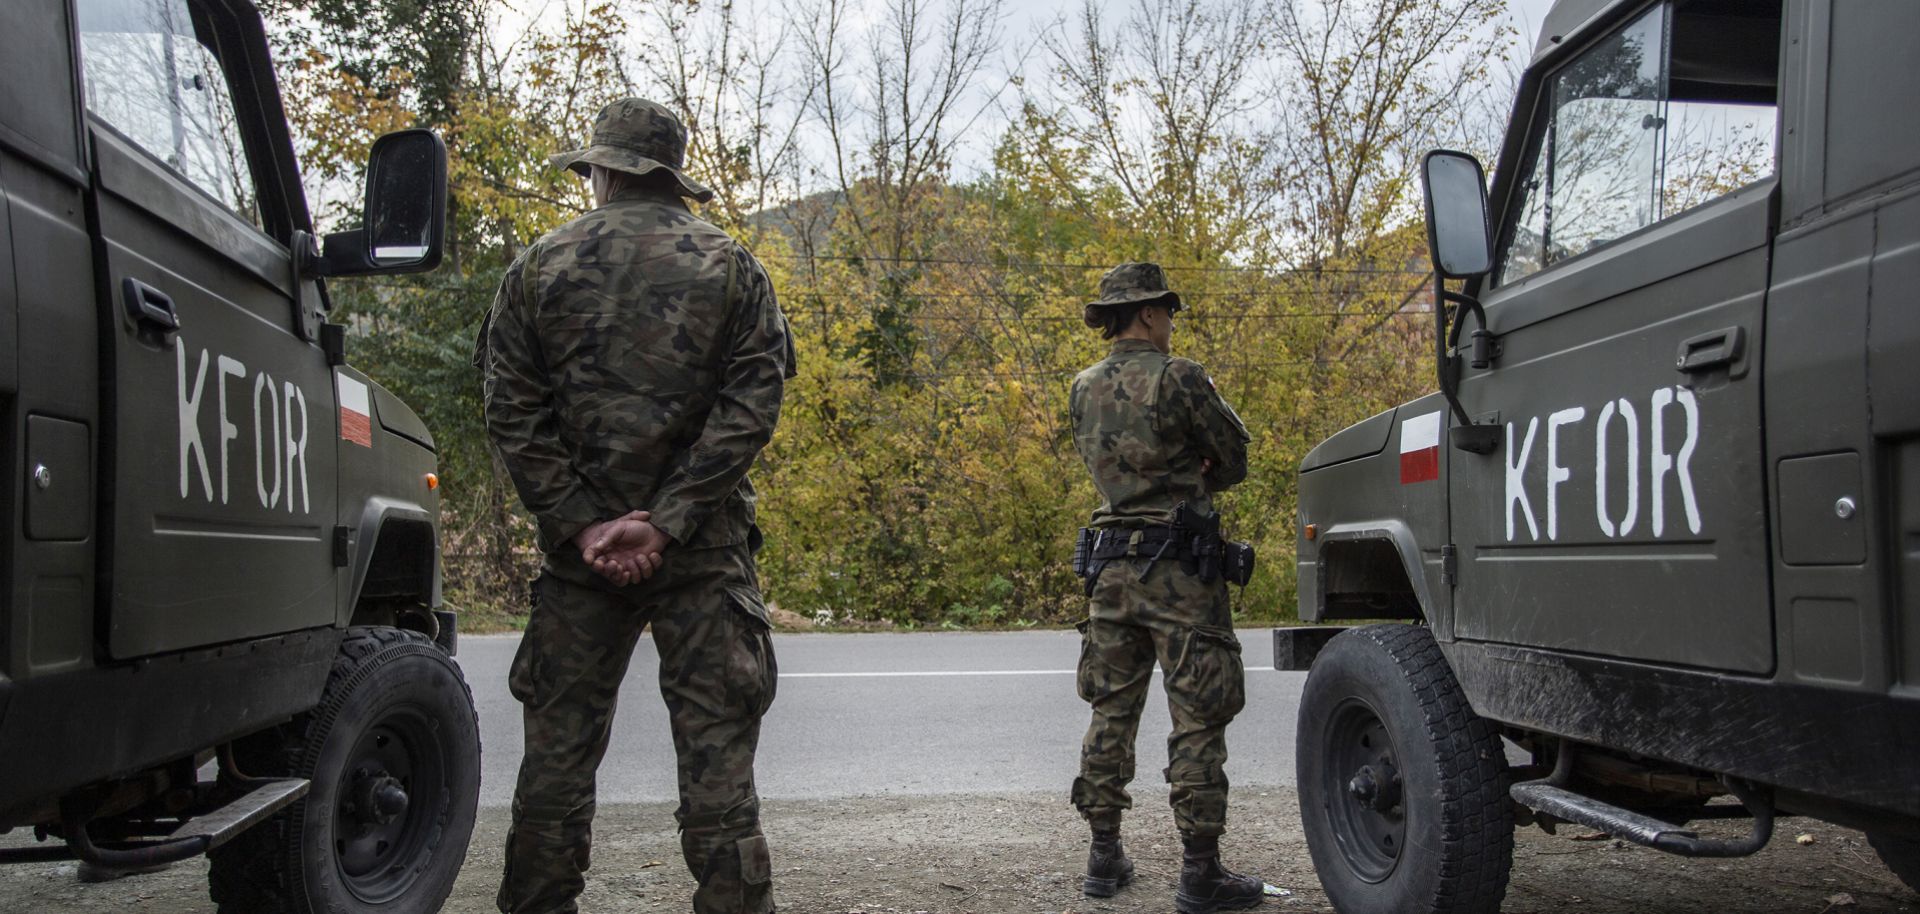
pixel 625 550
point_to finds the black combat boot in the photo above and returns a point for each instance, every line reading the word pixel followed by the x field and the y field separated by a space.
pixel 1206 886
pixel 1108 868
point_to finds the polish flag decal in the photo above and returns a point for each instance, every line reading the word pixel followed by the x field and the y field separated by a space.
pixel 1420 449
pixel 356 416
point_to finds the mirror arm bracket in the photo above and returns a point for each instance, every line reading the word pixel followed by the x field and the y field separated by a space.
pixel 344 254
pixel 1483 344
pixel 1467 435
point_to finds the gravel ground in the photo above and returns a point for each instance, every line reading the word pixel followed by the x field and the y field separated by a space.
pixel 1022 853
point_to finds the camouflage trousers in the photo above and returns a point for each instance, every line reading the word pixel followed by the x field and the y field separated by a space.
pixel 717 674
pixel 1185 625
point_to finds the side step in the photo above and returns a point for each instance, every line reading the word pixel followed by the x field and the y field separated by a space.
pixel 227 822
pixel 1580 809
pixel 198 836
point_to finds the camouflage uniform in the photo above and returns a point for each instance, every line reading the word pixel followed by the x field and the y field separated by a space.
pixel 1144 421
pixel 635 359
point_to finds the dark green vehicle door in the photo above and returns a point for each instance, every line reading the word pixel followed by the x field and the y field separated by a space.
pixel 1624 513
pixel 222 440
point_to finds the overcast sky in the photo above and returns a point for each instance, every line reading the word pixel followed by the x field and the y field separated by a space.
pixel 1025 18
pixel 1026 21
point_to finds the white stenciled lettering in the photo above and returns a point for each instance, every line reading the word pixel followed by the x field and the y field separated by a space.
pixel 1557 474
pixel 1516 480
pixel 1632 422
pixel 266 434
pixel 193 451
pixel 229 367
pixel 1682 470
pixel 1661 461
pixel 280 432
pixel 297 448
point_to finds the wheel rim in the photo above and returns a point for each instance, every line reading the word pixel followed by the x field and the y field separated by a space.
pixel 1363 790
pixel 384 819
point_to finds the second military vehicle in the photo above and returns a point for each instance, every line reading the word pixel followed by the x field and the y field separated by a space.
pixel 1657 529
pixel 220 629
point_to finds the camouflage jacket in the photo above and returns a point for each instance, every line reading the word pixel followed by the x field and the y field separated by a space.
pixel 1143 422
pixel 634 359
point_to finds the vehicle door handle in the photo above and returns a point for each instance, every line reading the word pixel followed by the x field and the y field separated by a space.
pixel 1709 350
pixel 150 306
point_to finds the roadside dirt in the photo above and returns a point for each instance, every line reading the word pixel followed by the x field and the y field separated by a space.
pixel 1022 853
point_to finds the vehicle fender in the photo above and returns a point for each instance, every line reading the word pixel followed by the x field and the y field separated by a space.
pixel 402 536
pixel 1394 533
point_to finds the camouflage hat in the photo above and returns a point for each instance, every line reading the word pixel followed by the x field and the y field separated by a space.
pixel 636 136
pixel 1131 284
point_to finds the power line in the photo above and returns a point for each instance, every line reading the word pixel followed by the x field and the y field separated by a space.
pixel 1180 319
pixel 1064 372
pixel 1046 265
pixel 1000 295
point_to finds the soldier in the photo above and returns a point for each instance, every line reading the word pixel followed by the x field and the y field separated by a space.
pixel 1159 442
pixel 634 362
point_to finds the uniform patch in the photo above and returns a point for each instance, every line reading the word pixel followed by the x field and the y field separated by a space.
pixel 1420 449
pixel 356 414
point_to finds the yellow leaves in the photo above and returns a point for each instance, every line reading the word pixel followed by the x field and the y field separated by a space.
pixel 951 488
pixel 336 117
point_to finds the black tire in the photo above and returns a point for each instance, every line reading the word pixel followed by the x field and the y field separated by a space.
pixel 1403 789
pixel 1900 854
pixel 396 713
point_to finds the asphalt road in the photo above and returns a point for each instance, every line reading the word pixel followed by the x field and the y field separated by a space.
pixel 928 774
pixel 896 714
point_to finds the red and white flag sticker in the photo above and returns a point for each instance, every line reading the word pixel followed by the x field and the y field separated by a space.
pixel 1420 448
pixel 356 416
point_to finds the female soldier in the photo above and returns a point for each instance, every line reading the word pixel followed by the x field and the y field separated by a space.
pixel 1155 434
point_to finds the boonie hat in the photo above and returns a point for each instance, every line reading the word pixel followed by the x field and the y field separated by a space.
pixel 636 136
pixel 1131 284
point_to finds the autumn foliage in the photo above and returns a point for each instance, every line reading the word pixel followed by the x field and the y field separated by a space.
pixel 935 199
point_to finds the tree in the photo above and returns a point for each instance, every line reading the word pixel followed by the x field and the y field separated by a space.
pixel 924 471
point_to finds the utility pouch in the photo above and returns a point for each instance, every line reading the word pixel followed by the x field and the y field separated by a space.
pixel 1083 551
pixel 1237 563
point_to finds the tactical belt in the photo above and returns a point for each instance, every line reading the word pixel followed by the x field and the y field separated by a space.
pixel 1140 542
pixel 1099 546
pixel 1205 556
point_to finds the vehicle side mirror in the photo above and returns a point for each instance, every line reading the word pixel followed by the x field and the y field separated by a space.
pixel 1457 236
pixel 1459 245
pixel 405 217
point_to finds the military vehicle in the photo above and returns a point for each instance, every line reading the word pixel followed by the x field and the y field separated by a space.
pixel 220 630
pixel 1655 533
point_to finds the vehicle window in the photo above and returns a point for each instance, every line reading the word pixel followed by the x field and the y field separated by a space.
pixel 153 73
pixel 1673 110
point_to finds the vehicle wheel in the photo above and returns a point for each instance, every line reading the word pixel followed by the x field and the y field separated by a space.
pixel 393 751
pixel 1403 789
pixel 1900 854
